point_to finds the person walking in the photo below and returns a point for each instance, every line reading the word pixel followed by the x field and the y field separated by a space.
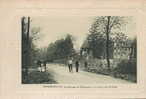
pixel 86 65
pixel 44 63
pixel 70 65
pixel 39 65
pixel 77 65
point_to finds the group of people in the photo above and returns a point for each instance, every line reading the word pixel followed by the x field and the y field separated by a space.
pixel 70 65
pixel 41 65
pixel 71 62
pixel 76 63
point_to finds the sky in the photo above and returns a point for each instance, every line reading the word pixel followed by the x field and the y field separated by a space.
pixel 53 28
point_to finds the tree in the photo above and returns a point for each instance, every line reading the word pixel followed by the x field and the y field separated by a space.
pixel 107 41
pixel 96 44
pixel 69 45
pixel 35 33
pixel 104 26
pixel 25 26
pixel 34 51
pixel 60 49
pixel 29 51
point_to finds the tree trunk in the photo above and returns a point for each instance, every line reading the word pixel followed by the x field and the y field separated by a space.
pixel 24 71
pixel 22 37
pixel 28 46
pixel 107 42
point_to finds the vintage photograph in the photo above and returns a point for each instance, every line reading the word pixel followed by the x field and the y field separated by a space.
pixel 78 50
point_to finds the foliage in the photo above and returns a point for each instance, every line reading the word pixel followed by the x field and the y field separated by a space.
pixel 100 24
pixel 97 43
pixel 126 67
pixel 98 39
pixel 37 77
pixel 60 49
pixel 35 33
pixel 121 39
pixel 29 50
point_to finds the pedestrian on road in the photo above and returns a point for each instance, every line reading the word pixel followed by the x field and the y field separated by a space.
pixel 39 65
pixel 86 64
pixel 77 65
pixel 70 61
pixel 44 63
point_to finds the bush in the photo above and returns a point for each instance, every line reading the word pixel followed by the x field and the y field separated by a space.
pixel 126 67
pixel 37 77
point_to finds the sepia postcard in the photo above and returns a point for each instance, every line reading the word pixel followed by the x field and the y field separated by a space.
pixel 73 49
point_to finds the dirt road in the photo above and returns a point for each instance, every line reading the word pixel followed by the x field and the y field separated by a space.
pixel 63 76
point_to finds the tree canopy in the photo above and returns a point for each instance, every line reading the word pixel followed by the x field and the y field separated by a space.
pixel 60 49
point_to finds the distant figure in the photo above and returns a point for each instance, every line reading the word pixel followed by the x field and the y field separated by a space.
pixel 70 65
pixel 77 65
pixel 39 65
pixel 44 63
pixel 86 64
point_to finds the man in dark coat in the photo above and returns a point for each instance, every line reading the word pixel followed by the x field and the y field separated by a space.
pixel 44 63
pixel 39 65
pixel 77 65
pixel 86 64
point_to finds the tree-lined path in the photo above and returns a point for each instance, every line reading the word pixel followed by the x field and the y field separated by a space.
pixel 104 44
pixel 62 76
